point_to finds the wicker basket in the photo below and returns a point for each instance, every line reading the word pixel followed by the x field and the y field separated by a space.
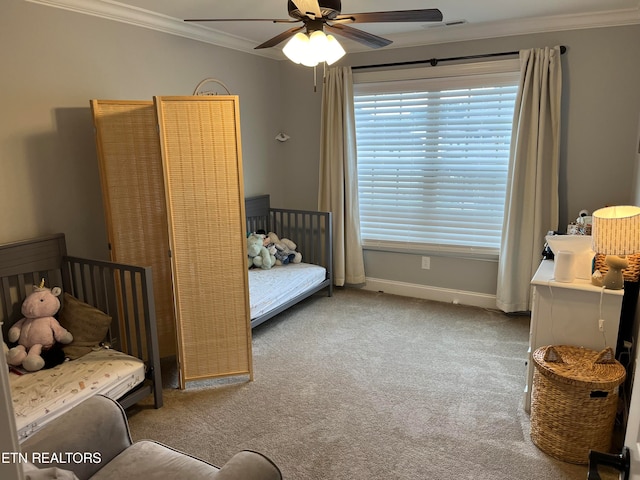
pixel 574 401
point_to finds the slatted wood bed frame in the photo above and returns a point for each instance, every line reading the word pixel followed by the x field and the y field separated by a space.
pixel 125 292
pixel 310 230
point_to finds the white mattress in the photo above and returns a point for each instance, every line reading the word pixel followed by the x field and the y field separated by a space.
pixel 268 289
pixel 39 397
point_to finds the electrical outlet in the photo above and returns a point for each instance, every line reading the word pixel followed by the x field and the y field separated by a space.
pixel 601 324
pixel 426 263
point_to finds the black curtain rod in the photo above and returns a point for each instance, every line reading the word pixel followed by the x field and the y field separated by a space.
pixel 434 61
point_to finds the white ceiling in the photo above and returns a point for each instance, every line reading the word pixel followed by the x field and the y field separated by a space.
pixel 487 18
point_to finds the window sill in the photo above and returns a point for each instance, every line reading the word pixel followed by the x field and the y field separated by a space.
pixel 473 253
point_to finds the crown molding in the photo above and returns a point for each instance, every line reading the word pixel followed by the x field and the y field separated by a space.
pixel 112 10
pixel 139 17
pixel 469 31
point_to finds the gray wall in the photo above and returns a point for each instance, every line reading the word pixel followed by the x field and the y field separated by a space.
pixel 601 106
pixel 53 62
pixel 299 167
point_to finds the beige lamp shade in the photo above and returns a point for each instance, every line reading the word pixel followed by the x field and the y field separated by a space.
pixel 616 230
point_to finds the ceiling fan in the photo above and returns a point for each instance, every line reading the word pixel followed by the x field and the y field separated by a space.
pixel 320 15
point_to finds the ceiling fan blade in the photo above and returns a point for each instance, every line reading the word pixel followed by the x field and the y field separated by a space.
pixel 309 7
pixel 274 20
pixel 424 15
pixel 368 39
pixel 272 42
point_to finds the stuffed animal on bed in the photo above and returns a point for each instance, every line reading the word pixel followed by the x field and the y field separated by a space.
pixel 38 332
pixel 258 254
pixel 285 250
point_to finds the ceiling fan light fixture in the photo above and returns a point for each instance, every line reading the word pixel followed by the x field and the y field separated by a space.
pixel 334 50
pixel 310 50
pixel 315 15
pixel 296 48
pixel 318 47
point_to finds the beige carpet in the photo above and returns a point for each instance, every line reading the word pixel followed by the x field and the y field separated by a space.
pixel 369 386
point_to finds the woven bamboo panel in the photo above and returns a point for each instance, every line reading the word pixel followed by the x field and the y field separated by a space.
pixel 201 151
pixel 574 401
pixel 133 197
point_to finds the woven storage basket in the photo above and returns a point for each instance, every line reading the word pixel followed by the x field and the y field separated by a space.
pixel 574 401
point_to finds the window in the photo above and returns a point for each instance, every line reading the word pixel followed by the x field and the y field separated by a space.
pixel 433 156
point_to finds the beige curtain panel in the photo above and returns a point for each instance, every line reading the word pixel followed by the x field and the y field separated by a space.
pixel 531 207
pixel 338 190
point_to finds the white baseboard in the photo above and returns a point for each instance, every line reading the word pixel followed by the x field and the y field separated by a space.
pixel 427 292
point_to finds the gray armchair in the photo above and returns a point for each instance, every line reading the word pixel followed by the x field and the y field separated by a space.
pixel 93 441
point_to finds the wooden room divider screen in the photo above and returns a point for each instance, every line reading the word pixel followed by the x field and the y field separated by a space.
pixel 133 198
pixel 202 162
pixel 199 160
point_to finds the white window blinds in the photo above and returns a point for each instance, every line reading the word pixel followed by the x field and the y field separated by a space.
pixel 433 156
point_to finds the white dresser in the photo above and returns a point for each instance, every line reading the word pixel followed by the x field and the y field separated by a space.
pixel 569 314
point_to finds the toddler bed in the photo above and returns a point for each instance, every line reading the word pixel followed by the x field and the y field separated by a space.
pixel 110 311
pixel 274 290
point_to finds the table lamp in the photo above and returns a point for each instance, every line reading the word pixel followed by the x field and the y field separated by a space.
pixel 616 233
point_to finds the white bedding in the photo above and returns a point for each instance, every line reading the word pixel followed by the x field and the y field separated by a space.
pixel 268 289
pixel 41 396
